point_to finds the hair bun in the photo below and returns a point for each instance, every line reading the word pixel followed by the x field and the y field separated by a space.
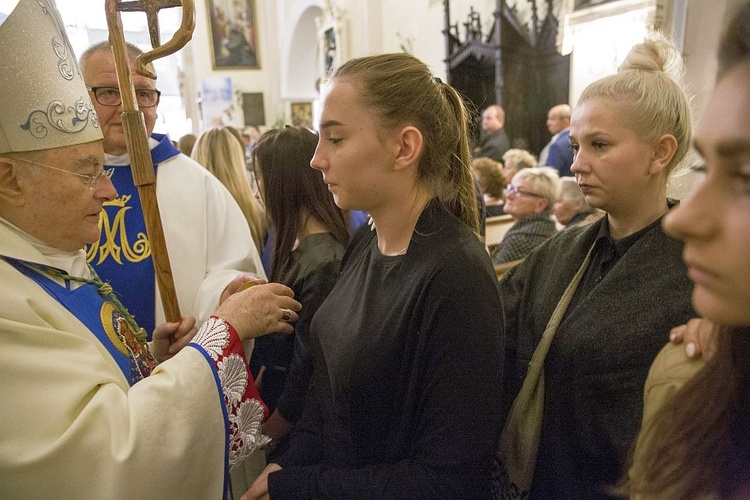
pixel 654 54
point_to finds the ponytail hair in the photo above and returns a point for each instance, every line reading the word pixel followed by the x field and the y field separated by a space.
pixel 402 91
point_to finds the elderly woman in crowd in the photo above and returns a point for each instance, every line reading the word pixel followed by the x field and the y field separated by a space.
pixel 515 160
pixel 570 207
pixel 491 178
pixel 530 197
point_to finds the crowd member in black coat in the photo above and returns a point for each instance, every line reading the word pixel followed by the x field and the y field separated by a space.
pixel 494 141
pixel 408 363
pixel 619 285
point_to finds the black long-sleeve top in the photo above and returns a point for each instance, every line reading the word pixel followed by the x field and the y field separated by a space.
pixel 408 373
pixel 311 273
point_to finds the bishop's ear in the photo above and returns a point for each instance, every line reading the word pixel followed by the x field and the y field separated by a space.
pixel 10 189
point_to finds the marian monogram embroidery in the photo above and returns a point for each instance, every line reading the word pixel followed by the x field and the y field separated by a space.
pixel 116 243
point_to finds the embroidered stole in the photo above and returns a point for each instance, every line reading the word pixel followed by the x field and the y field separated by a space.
pixel 101 317
pixel 122 257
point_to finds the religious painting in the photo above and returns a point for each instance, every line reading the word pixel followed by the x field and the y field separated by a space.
pixel 253 109
pixel 331 39
pixel 329 50
pixel 302 114
pixel 234 34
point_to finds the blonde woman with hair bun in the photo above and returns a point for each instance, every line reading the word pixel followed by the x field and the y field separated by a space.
pixel 587 312
pixel 221 152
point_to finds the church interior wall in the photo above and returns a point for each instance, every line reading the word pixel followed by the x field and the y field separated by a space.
pixel 290 58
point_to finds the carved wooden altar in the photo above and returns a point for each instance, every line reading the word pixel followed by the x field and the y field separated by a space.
pixel 515 65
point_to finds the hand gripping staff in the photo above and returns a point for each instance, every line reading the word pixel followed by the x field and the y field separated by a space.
pixel 135 126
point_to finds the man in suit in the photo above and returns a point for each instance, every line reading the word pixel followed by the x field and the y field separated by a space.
pixel 494 142
pixel 558 153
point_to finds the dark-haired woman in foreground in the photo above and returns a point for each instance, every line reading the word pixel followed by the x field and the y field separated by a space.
pixel 310 238
pixel 694 442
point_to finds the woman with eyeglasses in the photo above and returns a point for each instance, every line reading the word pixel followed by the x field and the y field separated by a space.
pixel 529 200
pixel 587 312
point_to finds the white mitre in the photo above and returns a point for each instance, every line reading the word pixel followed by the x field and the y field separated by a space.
pixel 43 100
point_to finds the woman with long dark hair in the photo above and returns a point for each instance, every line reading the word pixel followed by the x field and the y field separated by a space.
pixel 694 441
pixel 310 238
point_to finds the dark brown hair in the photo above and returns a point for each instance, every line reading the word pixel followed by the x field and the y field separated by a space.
pixel 698 441
pixel 292 189
pixel 490 176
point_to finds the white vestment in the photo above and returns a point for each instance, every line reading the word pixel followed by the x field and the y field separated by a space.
pixel 208 240
pixel 73 428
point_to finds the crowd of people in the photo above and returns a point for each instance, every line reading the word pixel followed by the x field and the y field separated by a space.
pixel 385 360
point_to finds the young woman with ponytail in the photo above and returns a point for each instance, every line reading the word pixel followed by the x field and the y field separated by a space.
pixel 408 355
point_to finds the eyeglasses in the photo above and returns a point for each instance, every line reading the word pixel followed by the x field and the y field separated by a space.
pixel 510 188
pixel 91 180
pixel 110 96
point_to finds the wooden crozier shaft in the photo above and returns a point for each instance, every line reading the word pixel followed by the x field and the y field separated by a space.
pixel 145 180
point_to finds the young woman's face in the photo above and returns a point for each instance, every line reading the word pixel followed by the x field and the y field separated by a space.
pixel 611 161
pixel 714 222
pixel 351 153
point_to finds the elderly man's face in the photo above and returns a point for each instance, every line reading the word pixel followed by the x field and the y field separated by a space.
pixel 556 123
pixel 99 71
pixel 59 208
pixel 490 121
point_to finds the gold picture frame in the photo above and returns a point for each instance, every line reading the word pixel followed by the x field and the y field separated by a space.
pixel 234 35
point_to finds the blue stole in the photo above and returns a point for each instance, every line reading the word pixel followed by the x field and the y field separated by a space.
pixel 99 315
pixel 122 257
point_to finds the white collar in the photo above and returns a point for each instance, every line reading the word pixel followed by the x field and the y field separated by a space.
pixel 72 262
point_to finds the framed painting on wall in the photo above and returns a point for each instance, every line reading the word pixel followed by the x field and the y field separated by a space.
pixel 302 114
pixel 234 34
pixel 252 107
pixel 332 41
